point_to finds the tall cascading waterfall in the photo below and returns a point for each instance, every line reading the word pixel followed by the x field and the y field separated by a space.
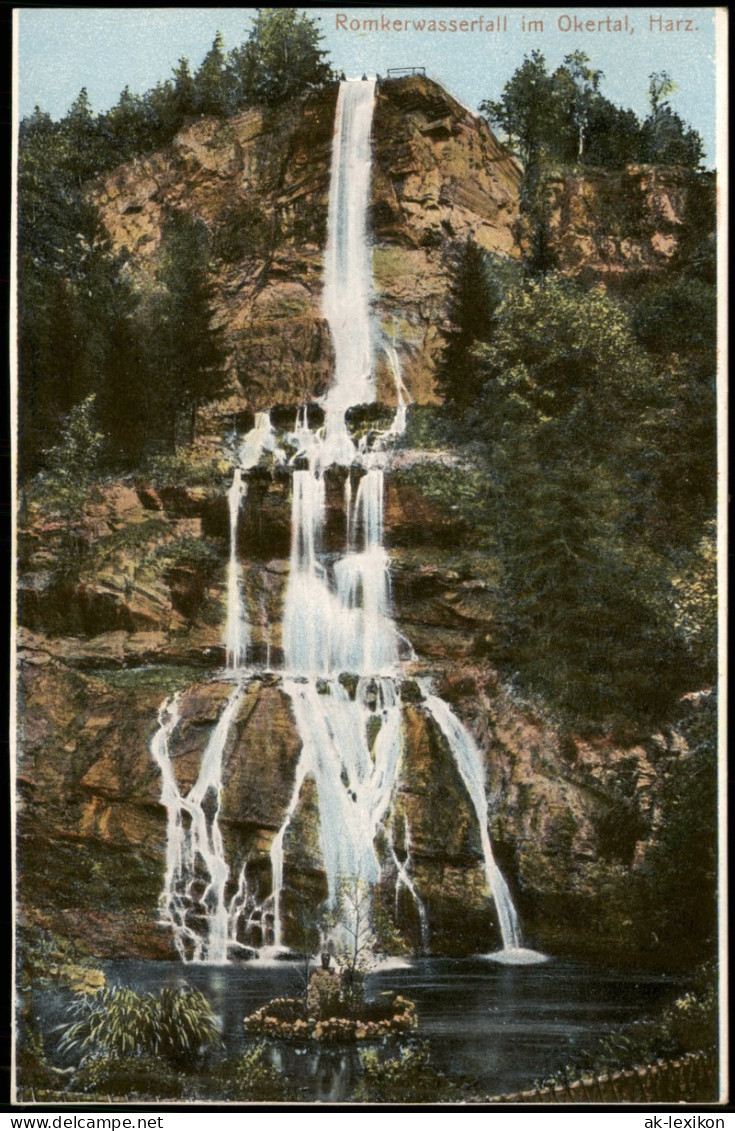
pixel 237 634
pixel 259 439
pixel 342 651
pixel 338 619
pixel 193 900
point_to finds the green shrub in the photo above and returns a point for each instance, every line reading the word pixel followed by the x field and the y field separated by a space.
pixel 408 1078
pixel 178 1025
pixel 244 229
pixel 182 469
pixel 131 1075
pixel 197 553
pixel 252 1078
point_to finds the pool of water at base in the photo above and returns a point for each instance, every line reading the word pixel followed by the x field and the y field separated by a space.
pixel 500 1026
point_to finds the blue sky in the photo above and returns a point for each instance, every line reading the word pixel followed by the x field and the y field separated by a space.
pixel 62 49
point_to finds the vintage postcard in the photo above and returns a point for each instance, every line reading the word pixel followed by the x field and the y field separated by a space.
pixel 367 544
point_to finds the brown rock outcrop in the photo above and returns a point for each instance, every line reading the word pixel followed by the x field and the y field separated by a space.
pixel 260 183
pixel 619 226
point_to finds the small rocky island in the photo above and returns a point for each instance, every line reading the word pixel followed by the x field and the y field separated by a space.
pixel 334 1010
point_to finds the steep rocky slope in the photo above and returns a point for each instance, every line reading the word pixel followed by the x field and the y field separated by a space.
pixel 124 601
pixel 621 227
pixel 260 183
pixel 574 819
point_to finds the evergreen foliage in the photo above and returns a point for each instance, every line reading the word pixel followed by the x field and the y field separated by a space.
pixel 83 329
pixel 184 346
pixel 575 415
pixel 563 117
pixel 474 294
pixel 280 59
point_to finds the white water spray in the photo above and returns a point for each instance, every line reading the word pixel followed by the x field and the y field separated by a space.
pixel 237 630
pixel 469 763
pixel 193 900
pixel 337 619
pixel 348 266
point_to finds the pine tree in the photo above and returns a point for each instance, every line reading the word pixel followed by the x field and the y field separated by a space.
pixel 184 91
pixel 188 350
pixel 281 57
pixel 473 299
pixel 211 81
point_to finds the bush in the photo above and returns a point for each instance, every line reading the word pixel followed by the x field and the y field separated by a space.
pixel 252 1078
pixel 116 1022
pixel 196 553
pixel 408 1078
pixel 131 1075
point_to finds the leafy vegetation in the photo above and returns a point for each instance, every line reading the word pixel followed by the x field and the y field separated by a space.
pixel 144 1076
pixel 562 116
pixel 409 1077
pixel 143 361
pixel 280 59
pixel 474 296
pixel 176 1025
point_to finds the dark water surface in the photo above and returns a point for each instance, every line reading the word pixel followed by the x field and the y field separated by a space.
pixel 501 1026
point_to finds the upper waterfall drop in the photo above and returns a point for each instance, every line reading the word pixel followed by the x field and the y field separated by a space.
pixel 348 261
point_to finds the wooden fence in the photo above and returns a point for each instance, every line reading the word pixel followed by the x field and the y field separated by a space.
pixel 691 1079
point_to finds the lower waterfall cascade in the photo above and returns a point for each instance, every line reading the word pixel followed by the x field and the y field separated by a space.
pixel 337 623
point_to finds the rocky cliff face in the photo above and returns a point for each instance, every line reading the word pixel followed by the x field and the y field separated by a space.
pixel 260 183
pixel 573 819
pixel 124 602
pixel 620 227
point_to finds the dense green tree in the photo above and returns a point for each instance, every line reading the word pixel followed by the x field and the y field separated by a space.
pixel 185 347
pixel 212 81
pixel 281 57
pixel 677 322
pixel 571 411
pixel 80 128
pixel 613 135
pixel 667 140
pixel 583 85
pixel 127 129
pixel 564 117
pixel 474 294
pixel 527 108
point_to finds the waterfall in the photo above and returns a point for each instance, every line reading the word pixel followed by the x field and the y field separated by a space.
pixel 193 900
pixel 469 763
pixel 237 631
pixel 341 647
pixel 348 265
